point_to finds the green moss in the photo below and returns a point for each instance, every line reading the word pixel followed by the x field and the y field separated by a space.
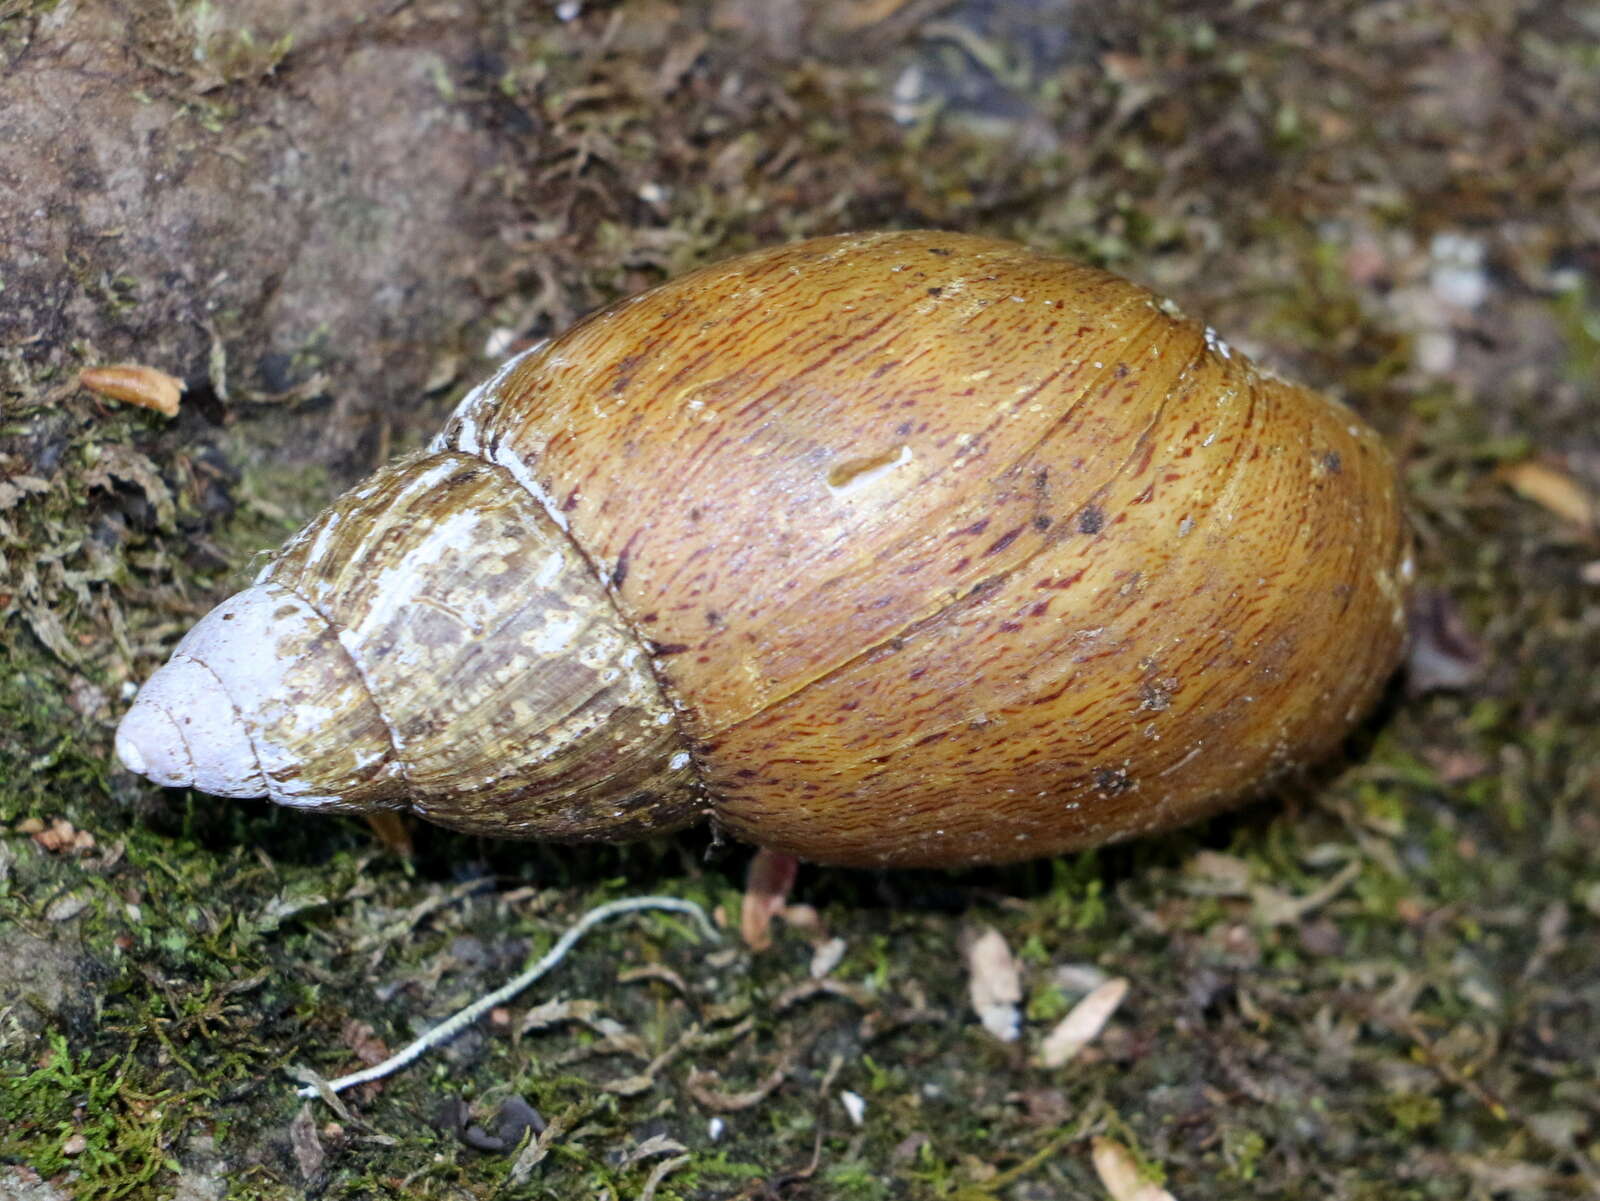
pixel 854 1180
pixel 1414 1111
pixel 69 1114
pixel 46 752
pixel 1242 1150
pixel 1579 318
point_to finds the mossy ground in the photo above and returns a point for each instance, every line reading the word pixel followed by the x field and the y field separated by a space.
pixel 1317 182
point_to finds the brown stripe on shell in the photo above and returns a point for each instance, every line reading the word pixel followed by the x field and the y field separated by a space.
pixel 750 381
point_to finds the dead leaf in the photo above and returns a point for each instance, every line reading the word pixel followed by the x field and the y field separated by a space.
pixel 656 1144
pixel 65 908
pixel 552 1013
pixel 14 488
pixel 1212 873
pixel 61 835
pixel 659 1173
pixel 994 984
pixel 1083 1024
pixel 804 990
pixel 1554 490
pixel 678 61
pixel 118 462
pixel 654 971
pixel 1456 766
pixel 1442 655
pixel 363 1040
pixel 47 628
pixel 136 384
pixel 534 1153
pixel 827 957
pixel 1274 907
pixel 700 1087
pixel 1119 1172
pixel 308 1152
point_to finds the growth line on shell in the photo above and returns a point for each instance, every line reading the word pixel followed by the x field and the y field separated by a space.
pixel 455 1024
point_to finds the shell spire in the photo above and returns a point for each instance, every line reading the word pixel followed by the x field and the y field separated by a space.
pixel 433 641
pixel 260 700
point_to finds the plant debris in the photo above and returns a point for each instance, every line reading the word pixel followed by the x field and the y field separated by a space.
pixel 135 385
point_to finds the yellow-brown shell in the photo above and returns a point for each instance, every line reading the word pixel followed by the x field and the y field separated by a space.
pixel 939 551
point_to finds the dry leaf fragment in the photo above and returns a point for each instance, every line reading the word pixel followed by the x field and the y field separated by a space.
pixel 61 835
pixel 67 906
pixel 1442 654
pixel 656 1144
pixel 364 1042
pixel 994 984
pixel 390 828
pixel 1083 1024
pixel 14 488
pixel 855 1105
pixel 826 957
pixel 654 971
pixel 1553 489
pixel 136 384
pixel 551 1013
pixel 308 1153
pixel 115 462
pixel 1212 873
pixel 1274 907
pixel 1119 1172
pixel 535 1152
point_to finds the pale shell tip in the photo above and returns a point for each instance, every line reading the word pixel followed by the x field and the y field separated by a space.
pixel 148 742
pixel 128 751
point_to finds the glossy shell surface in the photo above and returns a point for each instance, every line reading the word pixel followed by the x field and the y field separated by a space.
pixel 948 552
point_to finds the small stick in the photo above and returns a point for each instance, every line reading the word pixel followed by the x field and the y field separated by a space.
pixel 454 1025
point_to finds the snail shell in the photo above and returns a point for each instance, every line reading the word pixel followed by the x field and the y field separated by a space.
pixel 894 549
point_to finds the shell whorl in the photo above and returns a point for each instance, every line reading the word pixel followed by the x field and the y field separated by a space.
pixel 432 640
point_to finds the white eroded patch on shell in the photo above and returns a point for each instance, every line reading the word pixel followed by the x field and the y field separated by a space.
pixel 185 702
pixel 463 430
pixel 1218 344
pixel 259 650
pixel 455 536
pixel 558 633
pixel 324 535
pixel 549 570
pixel 523 474
pixel 240 645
